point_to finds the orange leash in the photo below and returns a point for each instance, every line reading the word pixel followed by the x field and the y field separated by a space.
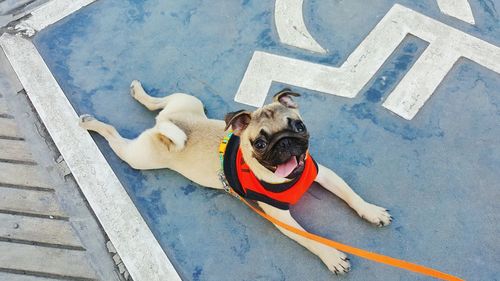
pixel 356 251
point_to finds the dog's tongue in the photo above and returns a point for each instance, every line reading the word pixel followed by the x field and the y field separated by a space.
pixel 283 170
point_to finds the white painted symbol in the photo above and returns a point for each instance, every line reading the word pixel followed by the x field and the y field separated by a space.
pixel 446 46
pixel 288 16
pixel 291 27
pixel 459 9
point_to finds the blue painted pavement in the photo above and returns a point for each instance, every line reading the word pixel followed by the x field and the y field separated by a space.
pixel 438 173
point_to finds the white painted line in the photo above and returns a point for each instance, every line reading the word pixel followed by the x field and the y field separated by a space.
pixel 446 46
pixel 291 28
pixel 49 13
pixel 459 9
pixel 265 68
pixel 138 248
pixel 410 94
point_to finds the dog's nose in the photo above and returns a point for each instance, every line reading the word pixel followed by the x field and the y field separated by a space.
pixel 285 143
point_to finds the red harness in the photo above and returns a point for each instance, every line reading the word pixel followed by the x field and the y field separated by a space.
pixel 243 181
pixel 291 193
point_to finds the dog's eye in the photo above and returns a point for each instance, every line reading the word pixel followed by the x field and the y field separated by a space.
pixel 260 144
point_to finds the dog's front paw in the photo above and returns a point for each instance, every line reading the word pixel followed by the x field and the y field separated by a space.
pixel 336 261
pixel 374 214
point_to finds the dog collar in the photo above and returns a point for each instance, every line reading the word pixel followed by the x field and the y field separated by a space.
pixel 223 146
pixel 221 174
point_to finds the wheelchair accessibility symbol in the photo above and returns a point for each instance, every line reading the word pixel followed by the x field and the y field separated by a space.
pixel 446 45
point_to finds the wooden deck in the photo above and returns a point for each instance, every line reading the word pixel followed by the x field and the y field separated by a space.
pixel 37 241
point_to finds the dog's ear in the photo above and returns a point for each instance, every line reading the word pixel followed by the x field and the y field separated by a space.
pixel 238 120
pixel 285 98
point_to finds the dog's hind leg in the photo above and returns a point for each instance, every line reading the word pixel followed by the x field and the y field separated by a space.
pixel 151 103
pixel 115 140
pixel 173 103
pixel 139 153
pixel 335 260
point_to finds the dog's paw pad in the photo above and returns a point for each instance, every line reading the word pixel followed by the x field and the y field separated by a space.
pixel 85 121
pixel 377 215
pixel 133 86
pixel 86 118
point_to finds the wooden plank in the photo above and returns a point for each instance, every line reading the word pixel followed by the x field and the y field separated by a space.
pixel 22 277
pixel 25 175
pixel 37 203
pixel 39 230
pixel 45 260
pixel 15 150
pixel 8 128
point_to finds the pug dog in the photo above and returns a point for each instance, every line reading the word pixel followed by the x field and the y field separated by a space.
pixel 272 143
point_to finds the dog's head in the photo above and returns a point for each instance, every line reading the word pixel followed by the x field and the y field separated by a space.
pixel 273 138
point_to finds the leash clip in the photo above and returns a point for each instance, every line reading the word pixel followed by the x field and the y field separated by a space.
pixel 225 184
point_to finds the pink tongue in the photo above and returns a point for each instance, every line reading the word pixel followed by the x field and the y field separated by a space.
pixel 286 168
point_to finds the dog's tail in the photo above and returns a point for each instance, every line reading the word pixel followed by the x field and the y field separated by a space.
pixel 171 136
